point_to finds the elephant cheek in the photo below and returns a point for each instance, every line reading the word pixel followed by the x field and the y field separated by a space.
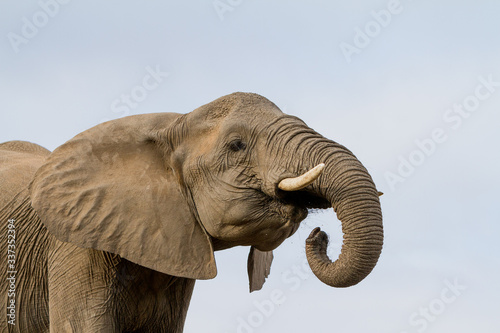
pixel 270 238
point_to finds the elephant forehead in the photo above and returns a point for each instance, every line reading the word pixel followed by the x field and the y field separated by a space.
pixel 259 109
pixel 250 107
pixel 251 118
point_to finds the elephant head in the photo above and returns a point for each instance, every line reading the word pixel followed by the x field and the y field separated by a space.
pixel 166 190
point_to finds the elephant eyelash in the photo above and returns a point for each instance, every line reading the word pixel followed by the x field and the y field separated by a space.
pixel 237 145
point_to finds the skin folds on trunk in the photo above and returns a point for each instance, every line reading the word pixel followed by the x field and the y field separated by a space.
pixel 346 184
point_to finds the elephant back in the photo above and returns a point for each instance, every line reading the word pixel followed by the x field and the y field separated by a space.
pixel 19 161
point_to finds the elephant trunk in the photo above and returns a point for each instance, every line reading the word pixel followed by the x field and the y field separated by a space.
pixel 350 190
pixel 346 184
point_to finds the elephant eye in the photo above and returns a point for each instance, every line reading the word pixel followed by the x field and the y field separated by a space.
pixel 237 145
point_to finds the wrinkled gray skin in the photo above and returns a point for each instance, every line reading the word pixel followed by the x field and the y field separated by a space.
pixel 114 226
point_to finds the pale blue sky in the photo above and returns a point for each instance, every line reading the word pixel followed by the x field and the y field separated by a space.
pixel 441 216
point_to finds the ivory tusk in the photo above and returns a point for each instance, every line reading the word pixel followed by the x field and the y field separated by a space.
pixel 298 183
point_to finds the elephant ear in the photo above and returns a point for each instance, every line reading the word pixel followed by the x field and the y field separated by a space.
pixel 259 267
pixel 111 188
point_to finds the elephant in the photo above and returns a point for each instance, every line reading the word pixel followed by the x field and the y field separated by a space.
pixel 109 232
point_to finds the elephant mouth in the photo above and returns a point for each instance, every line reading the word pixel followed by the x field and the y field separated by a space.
pixel 294 207
pixel 303 199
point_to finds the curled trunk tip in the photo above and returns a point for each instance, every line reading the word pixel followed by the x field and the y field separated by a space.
pixel 352 194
